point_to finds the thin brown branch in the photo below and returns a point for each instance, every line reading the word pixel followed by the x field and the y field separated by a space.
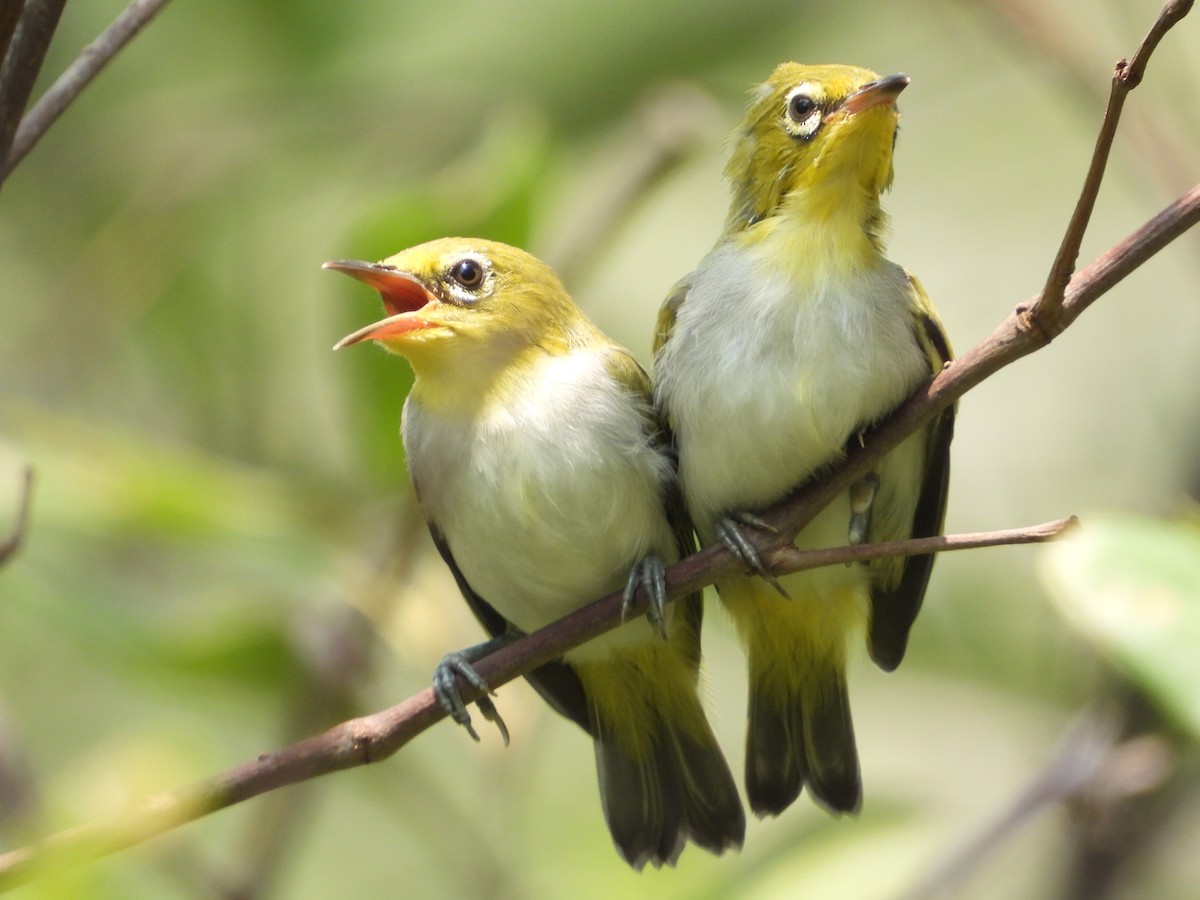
pixel 376 737
pixel 1047 312
pixel 23 62
pixel 1058 43
pixel 657 136
pixel 76 77
pixel 11 544
pixel 1014 338
pixel 10 13
pixel 373 738
pixel 787 558
pixel 1080 758
pixel 1103 762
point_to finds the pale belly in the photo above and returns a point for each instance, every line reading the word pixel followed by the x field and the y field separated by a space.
pixel 763 391
pixel 542 520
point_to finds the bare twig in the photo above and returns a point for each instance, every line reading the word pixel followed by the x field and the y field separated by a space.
pixel 668 123
pixel 1126 77
pixel 19 795
pixel 1058 42
pixel 23 62
pixel 375 737
pixel 10 12
pixel 1015 337
pixel 11 544
pixel 788 558
pixel 1101 762
pixel 1081 756
pixel 78 75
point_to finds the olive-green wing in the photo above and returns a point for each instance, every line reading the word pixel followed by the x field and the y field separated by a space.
pixel 665 323
pixel 893 610
pixel 555 681
pixel 685 630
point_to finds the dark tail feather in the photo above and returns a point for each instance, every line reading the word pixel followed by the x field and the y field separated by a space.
pixel 712 808
pixel 833 775
pixel 776 760
pixel 644 815
pixel 804 737
pixel 682 789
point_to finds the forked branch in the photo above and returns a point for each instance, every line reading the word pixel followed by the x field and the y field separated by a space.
pixel 372 738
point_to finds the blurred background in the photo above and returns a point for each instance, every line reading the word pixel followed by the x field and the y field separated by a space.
pixel 223 553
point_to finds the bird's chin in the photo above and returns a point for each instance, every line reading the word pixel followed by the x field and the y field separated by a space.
pixel 400 328
pixel 422 335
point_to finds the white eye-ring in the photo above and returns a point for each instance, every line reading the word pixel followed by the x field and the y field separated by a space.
pixel 469 278
pixel 802 114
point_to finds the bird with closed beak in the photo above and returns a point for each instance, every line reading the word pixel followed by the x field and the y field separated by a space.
pixel 791 338
pixel 540 466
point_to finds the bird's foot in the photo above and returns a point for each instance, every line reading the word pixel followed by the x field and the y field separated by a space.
pixel 730 533
pixel 862 500
pixel 650 574
pixel 449 698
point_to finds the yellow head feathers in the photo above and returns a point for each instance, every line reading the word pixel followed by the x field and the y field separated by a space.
pixel 825 132
pixel 453 295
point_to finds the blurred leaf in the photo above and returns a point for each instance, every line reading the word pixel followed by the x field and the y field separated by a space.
pixel 100 479
pixel 489 191
pixel 1131 586
pixel 196 565
pixel 231 646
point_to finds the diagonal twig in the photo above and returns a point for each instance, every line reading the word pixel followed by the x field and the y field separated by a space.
pixel 789 558
pixel 94 57
pixel 375 737
pixel 11 544
pixel 1077 762
pixel 23 62
pixel 1127 75
pixel 1057 41
pixel 10 12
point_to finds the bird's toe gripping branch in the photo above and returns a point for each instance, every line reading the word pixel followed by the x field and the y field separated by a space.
pixel 730 533
pixel 862 500
pixel 649 573
pixel 445 685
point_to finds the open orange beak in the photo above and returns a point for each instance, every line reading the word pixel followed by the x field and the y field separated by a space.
pixel 404 299
pixel 877 93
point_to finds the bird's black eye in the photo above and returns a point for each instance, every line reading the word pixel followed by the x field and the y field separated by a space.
pixel 800 107
pixel 802 114
pixel 468 272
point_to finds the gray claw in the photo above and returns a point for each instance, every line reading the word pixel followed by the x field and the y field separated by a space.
pixel 445 689
pixel 650 574
pixel 488 710
pixel 749 518
pixel 730 534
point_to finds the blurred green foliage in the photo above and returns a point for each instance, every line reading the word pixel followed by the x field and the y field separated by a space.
pixel 223 554
pixel 1132 586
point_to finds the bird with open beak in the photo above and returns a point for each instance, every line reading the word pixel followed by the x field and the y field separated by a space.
pixel 540 466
